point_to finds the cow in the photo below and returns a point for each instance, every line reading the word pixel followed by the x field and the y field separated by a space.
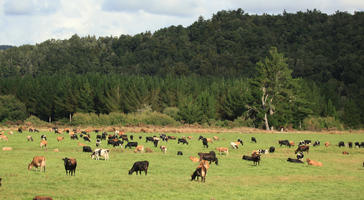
pixel 100 153
pixel 4 137
pixel 253 140
pixel 103 136
pixel 201 171
pixel 7 148
pixel 215 138
pixel 341 144
pixel 314 163
pixel 42 198
pixel 163 149
pixel 211 157
pixel 124 138
pixel 74 137
pixel 327 144
pixel 70 165
pixel 357 144
pixel 235 145
pixel 179 153
pixel 43 137
pixel 182 140
pixel 60 139
pixel 194 159
pixel 205 143
pixel 163 137
pixel 362 144
pixel 38 162
pixel 223 150
pixel 98 142
pixel 139 166
pixel 285 143
pixel 294 160
pixel 272 149
pixel 148 150
pixel 171 137
pixel 350 144
pixel 139 148
pixel 155 143
pixel 261 151
pixel 151 139
pixel 345 153
pixel 255 158
pixel 29 138
pixel 300 156
pixel 86 138
pixel 302 149
pixel 316 143
pixel 131 137
pixel 43 143
pixel 131 144
pixel 20 130
pixel 86 149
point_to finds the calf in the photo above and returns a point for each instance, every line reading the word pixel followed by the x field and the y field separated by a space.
pixel 201 171
pixel 294 160
pixel 302 149
pixel 43 137
pixel 60 139
pixel 341 144
pixel 43 143
pixel 255 158
pixel 314 163
pixel 139 148
pixel 223 150
pixel 316 143
pixel 29 138
pixel 100 153
pixel 211 156
pixel 139 167
pixel 38 161
pixel 163 149
pixel 327 144
pixel 179 153
pixel 70 165
pixel 253 140
pixel 272 149
pixel 131 144
pixel 86 149
pixel 182 140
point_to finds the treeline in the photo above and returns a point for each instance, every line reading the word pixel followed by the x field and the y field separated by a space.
pixel 326 51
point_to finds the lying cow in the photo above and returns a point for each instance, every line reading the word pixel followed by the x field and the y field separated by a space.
pixel 294 160
pixel 100 153
pixel 314 163
pixel 139 167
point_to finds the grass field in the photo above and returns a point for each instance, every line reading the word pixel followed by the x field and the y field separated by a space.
pixel 341 177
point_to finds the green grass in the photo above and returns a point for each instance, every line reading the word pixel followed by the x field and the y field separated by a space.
pixel 169 175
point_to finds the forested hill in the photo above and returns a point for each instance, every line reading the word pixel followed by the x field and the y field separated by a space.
pixel 4 47
pixel 328 49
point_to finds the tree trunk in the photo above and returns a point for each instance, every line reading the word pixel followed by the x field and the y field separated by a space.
pixel 50 119
pixel 70 117
pixel 266 122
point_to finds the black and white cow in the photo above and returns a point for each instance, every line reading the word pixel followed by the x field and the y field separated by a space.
pixel 100 153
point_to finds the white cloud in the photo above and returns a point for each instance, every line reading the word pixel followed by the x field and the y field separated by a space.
pixel 30 7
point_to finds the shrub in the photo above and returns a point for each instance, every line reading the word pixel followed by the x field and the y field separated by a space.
pixel 35 121
pixel 320 123
pixel 172 112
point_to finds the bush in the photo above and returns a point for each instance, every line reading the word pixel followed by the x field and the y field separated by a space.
pixel 172 112
pixel 320 123
pixel 35 121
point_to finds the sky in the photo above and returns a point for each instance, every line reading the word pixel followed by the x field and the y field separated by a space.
pixel 35 21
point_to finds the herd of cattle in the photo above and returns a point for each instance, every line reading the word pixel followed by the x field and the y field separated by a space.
pixel 120 139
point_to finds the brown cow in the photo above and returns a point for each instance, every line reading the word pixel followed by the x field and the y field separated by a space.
pixel 327 144
pixel 60 138
pixel 223 150
pixel 38 161
pixel 163 149
pixel 42 198
pixel 7 148
pixel 194 159
pixel 189 137
pixel 139 148
pixel 201 171
pixel 29 138
pixel 314 163
pixel 80 144
pixel 3 137
pixel 43 143
pixel 215 138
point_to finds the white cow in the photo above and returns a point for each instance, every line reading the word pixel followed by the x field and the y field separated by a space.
pixel 100 153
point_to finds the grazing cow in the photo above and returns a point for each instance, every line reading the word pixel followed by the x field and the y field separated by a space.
pixel 29 138
pixel 261 151
pixel 131 144
pixel 285 143
pixel 357 144
pixel 98 142
pixel 350 144
pixel 255 158
pixel 155 143
pixel 211 157
pixel 235 145
pixel 139 167
pixel 86 138
pixel 205 143
pixel 327 144
pixel 194 159
pixel 103 136
pixel 100 153
pixel 43 143
pixel 316 143
pixel 294 160
pixel 272 149
pixel 42 198
pixel 179 153
pixel 60 139
pixel 171 137
pixel 70 165
pixel 314 163
pixel 148 150
pixel 362 144
pixel 182 140
pixel 20 130
pixel 149 139
pixel 139 148
pixel 300 156
pixel 253 140
pixel 302 149
pixel 86 149
pixel 215 138
pixel 38 161
pixel 7 148
pixel 43 137
pixel 223 150
pixel 74 137
pixel 163 149
pixel 201 171
pixel 341 144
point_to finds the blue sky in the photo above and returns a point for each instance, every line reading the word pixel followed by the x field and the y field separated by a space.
pixel 34 21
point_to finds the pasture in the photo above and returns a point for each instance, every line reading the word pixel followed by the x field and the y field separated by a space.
pixel 340 177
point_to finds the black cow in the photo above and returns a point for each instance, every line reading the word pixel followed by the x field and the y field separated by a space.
pixel 255 158
pixel 316 143
pixel 140 137
pixel 350 144
pixel 182 140
pixel 284 142
pixel 131 144
pixel 36 130
pixel 341 144
pixel 294 160
pixel 254 140
pixel 179 153
pixel 103 136
pixel 70 165
pixel 74 137
pixel 211 157
pixel 155 142
pixel 205 143
pixel 149 139
pixel 86 149
pixel 118 143
pixel 362 144
pixel 131 137
pixel 98 137
pixel 163 137
pixel 20 130
pixel 86 139
pixel 139 167
pixel 124 138
pixel 272 149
